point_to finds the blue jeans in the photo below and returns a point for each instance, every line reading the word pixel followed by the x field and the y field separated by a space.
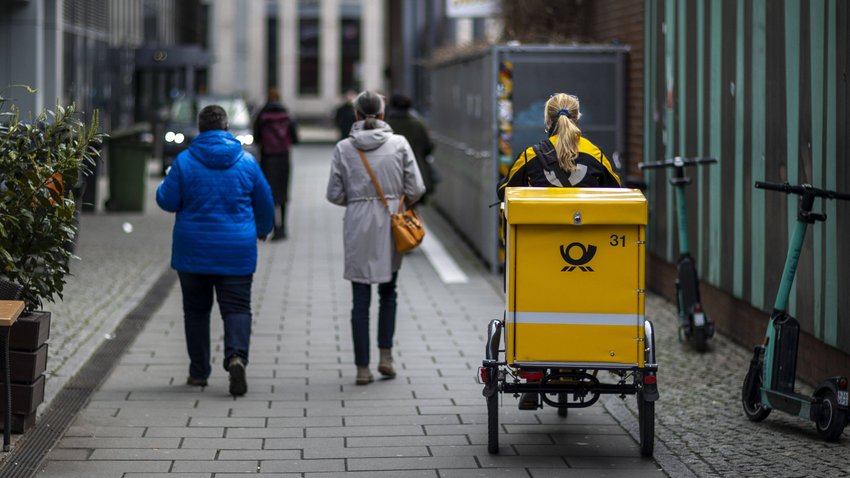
pixel 361 297
pixel 234 303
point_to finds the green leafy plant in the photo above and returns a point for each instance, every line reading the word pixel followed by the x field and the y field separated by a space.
pixel 40 160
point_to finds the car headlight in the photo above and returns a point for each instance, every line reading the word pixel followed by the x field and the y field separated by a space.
pixel 245 139
pixel 178 138
pixel 169 136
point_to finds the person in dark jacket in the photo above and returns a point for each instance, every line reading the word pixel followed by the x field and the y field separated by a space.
pixel 223 205
pixel 402 120
pixel 275 132
pixel 566 158
pixel 344 115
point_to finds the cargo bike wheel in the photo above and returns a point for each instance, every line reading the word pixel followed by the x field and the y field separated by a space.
pixel 646 424
pixel 490 377
pixel 493 415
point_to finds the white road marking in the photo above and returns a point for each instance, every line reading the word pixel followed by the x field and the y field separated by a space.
pixel 441 260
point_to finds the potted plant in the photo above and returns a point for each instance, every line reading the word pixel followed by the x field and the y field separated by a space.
pixel 40 160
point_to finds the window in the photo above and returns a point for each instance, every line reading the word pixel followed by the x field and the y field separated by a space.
pixel 350 32
pixel 308 52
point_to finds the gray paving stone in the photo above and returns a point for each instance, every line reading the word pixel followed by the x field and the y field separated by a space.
pixel 101 469
pixel 168 475
pixel 259 455
pixel 223 443
pixel 151 454
pixel 539 461
pixel 375 474
pixel 264 432
pixel 303 443
pixel 593 473
pixel 185 432
pixel 93 431
pixel 441 462
pixel 300 466
pixel 216 466
pixel 400 430
pixel 118 442
pixel 59 454
pixel 364 452
pixel 486 473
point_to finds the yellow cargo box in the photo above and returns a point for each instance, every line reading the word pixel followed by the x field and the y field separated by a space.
pixel 575 277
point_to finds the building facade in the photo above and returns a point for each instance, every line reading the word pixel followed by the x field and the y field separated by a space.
pixel 311 50
pixel 85 51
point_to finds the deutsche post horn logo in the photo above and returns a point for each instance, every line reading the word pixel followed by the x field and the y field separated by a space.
pixel 587 254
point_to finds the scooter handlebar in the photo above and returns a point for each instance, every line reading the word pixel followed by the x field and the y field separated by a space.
pixel 676 162
pixel 802 189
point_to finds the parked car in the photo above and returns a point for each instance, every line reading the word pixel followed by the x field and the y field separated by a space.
pixel 182 123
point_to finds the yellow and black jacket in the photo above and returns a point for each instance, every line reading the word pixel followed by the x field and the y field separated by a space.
pixel 538 166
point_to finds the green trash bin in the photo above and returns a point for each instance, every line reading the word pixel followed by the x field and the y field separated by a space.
pixel 129 151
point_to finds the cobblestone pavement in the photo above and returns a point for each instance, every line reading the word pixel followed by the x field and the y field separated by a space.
pixel 699 416
pixel 302 415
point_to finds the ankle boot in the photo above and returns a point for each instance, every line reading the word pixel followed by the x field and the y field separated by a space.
pixel 364 376
pixel 385 365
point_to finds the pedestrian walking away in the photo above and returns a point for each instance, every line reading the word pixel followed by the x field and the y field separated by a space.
pixel 344 114
pixel 370 254
pixel 275 131
pixel 223 205
pixel 564 159
pixel 402 120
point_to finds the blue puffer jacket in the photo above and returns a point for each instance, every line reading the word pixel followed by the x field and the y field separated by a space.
pixel 223 203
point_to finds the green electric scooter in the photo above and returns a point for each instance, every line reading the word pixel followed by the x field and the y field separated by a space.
pixel 694 324
pixel 769 383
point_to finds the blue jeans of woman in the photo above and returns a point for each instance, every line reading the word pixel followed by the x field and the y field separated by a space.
pixel 361 297
pixel 234 302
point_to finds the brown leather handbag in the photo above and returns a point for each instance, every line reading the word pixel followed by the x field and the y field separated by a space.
pixel 408 230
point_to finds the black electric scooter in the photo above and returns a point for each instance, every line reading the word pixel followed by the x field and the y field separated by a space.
pixel 769 383
pixel 693 322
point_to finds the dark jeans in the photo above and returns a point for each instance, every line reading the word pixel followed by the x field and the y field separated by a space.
pixel 276 168
pixel 234 303
pixel 361 297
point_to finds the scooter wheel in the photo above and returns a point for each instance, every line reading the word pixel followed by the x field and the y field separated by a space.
pixel 754 409
pixel 831 421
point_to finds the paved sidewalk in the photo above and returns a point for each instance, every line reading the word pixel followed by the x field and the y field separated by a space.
pixel 302 413
pixel 304 417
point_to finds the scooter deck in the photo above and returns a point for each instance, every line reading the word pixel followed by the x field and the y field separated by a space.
pixel 793 403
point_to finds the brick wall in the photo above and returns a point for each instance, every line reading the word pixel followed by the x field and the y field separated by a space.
pixel 621 21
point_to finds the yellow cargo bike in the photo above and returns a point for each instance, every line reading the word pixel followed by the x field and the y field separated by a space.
pixel 574 265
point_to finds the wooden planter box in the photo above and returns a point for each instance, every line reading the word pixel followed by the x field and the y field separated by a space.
pixel 30 331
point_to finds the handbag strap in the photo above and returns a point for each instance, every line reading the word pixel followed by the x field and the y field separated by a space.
pixel 375 181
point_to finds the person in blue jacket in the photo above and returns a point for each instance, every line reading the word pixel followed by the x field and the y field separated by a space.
pixel 223 205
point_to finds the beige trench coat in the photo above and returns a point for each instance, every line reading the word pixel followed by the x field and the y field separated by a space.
pixel 370 255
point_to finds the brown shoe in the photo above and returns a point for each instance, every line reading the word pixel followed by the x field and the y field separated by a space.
pixel 529 401
pixel 364 376
pixel 385 365
pixel 196 382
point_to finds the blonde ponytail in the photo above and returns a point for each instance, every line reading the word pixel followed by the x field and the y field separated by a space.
pixel 567 144
pixel 564 109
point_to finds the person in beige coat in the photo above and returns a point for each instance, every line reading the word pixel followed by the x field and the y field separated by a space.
pixel 370 254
